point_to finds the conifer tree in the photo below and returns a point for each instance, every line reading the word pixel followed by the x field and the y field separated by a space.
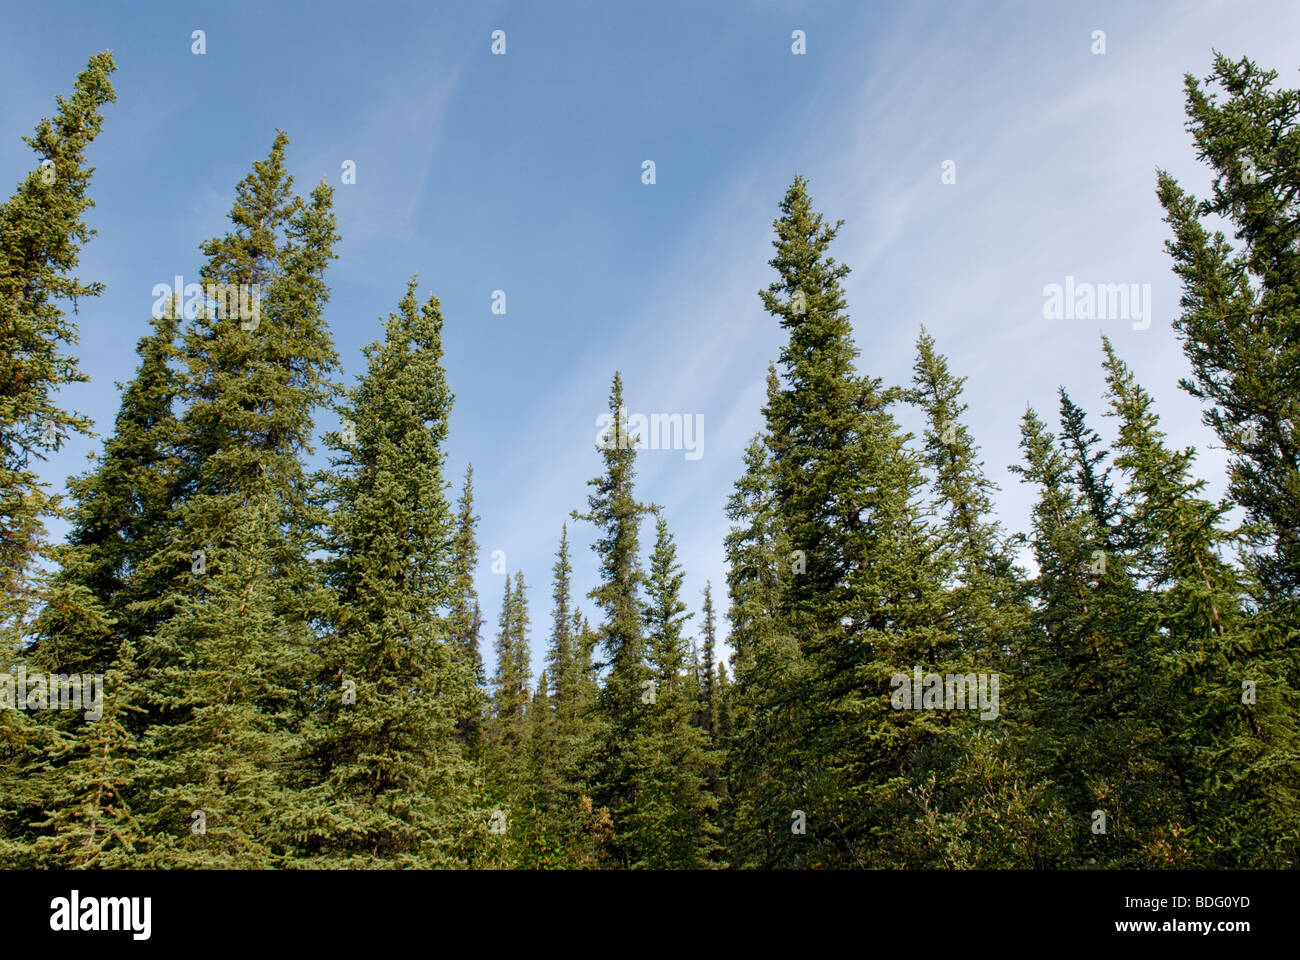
pixel 562 658
pixel 766 745
pixel 1095 653
pixel 708 687
pixel 1233 762
pixel 866 603
pixel 465 621
pixel 1240 324
pixel 547 821
pixel 90 823
pixel 241 612
pixel 709 718
pixel 961 782
pixel 42 230
pixel 615 512
pixel 391 785
pixel 511 689
pixel 568 743
pixel 93 602
pixel 984 605
pixel 1240 329
pixel 122 509
pixel 465 616
pixel 669 825
pixel 1069 653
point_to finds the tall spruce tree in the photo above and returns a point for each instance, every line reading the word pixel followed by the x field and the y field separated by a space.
pixel 765 746
pixel 964 783
pixel 389 783
pixel 1232 756
pixel 1096 653
pixel 711 691
pixel 42 230
pixel 511 689
pixel 1240 329
pixel 1240 324
pixel 562 659
pixel 229 666
pixel 540 822
pixel 865 600
pixel 465 616
pixel 708 713
pixel 670 824
pixel 465 620
pixel 614 510
pixel 570 695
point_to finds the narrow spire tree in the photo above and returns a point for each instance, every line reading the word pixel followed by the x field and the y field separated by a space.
pixel 42 230
pixel 1240 327
pixel 465 617
pixel 864 595
pixel 615 512
pixel 393 786
pixel 669 825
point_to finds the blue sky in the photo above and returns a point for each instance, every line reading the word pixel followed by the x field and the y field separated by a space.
pixel 522 173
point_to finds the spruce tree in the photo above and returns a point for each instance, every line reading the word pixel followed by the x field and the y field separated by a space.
pixel 1240 328
pixel 543 824
pixel 511 690
pixel 562 659
pixel 708 714
pixel 670 824
pixel 1233 758
pixel 864 599
pixel 121 514
pixel 95 601
pixel 766 744
pixel 569 742
pixel 90 823
pixel 391 785
pixel 712 682
pixel 465 620
pixel 42 230
pixel 963 782
pixel 241 608
pixel 615 512
pixel 1240 324
pixel 1094 653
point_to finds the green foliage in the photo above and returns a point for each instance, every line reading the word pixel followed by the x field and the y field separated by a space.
pixel 669 824
pixel 387 783
pixel 42 230
pixel 1240 324
pixel 616 514
pixel 290 661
